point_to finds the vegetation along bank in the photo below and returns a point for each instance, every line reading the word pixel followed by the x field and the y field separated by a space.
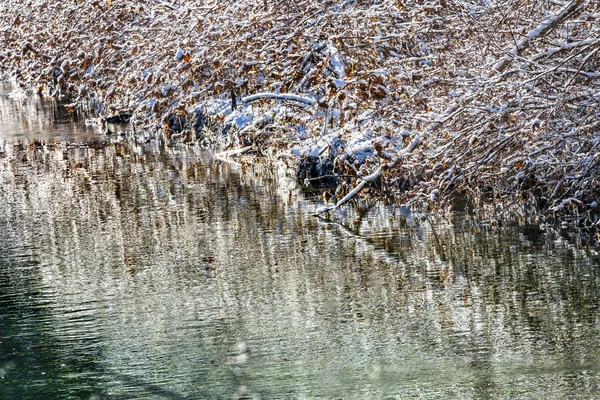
pixel 498 101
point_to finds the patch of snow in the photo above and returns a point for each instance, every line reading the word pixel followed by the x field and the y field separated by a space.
pixel 340 83
pixel 336 61
pixel 165 89
pixel 180 54
pixel 239 118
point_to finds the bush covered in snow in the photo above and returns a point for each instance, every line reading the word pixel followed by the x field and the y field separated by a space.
pixel 496 99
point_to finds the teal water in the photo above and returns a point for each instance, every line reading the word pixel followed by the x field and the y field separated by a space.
pixel 132 269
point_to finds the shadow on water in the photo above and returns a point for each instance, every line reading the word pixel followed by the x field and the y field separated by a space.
pixel 134 269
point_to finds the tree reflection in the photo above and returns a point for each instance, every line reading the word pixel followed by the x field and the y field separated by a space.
pixel 158 262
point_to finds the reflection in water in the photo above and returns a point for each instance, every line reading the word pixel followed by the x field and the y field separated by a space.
pixel 39 119
pixel 133 270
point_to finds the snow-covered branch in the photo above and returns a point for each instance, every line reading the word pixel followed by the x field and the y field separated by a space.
pixel 538 32
pixel 279 96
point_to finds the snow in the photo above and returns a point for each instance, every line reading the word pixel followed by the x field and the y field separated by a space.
pixel 336 62
pixel 165 89
pixel 180 54
pixel 340 83
pixel 239 118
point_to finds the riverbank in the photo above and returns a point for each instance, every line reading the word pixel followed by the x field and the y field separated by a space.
pixel 429 100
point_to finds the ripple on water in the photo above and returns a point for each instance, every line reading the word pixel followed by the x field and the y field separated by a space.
pixel 133 271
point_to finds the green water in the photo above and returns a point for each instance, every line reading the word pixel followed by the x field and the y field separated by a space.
pixel 136 270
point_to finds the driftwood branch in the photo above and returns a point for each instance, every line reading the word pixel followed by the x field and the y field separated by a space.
pixel 364 181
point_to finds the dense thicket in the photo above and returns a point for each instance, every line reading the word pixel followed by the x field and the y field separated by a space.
pixel 495 99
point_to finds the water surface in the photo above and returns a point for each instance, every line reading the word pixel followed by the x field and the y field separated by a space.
pixel 136 269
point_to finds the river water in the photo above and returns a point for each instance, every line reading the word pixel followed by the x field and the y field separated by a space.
pixel 131 269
